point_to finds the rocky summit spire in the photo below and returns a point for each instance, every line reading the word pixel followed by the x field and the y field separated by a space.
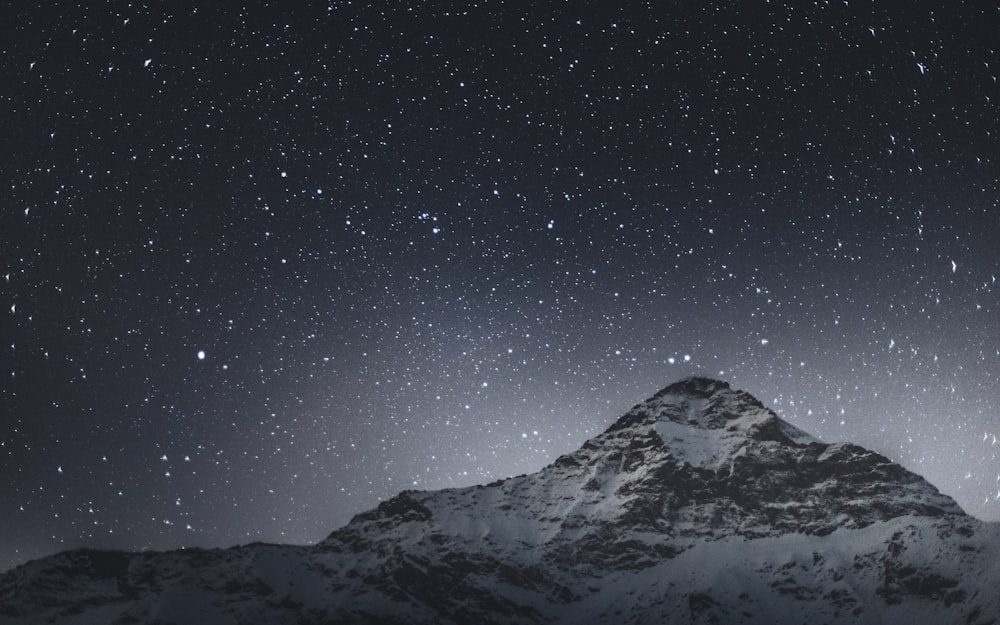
pixel 698 505
pixel 695 386
pixel 704 403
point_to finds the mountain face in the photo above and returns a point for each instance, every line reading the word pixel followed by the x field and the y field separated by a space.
pixel 699 505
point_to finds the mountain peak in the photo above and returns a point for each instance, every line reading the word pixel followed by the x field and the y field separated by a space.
pixel 695 386
pixel 681 409
pixel 708 424
pixel 702 431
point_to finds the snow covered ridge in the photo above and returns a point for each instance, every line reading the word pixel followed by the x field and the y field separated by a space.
pixel 699 505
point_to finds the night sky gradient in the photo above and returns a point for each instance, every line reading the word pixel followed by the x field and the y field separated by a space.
pixel 264 268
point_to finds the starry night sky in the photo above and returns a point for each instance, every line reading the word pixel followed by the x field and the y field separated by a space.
pixel 263 268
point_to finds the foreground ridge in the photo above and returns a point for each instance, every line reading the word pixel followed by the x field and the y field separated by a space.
pixel 698 505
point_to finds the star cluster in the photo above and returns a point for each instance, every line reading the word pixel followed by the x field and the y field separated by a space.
pixel 263 268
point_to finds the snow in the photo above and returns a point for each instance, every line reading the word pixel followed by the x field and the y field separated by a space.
pixel 689 427
pixel 706 449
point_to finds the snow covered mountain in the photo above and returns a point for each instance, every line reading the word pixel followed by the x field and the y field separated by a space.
pixel 699 505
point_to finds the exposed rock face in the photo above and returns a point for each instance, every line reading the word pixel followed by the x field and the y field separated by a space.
pixel 699 505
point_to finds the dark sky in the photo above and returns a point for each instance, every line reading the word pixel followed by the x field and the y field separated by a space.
pixel 265 267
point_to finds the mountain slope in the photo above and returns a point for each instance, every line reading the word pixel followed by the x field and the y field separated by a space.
pixel 698 505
